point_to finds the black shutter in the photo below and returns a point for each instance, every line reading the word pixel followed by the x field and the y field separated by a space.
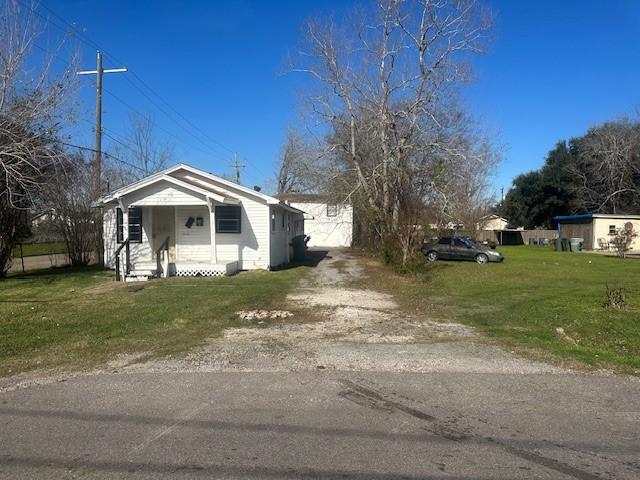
pixel 119 231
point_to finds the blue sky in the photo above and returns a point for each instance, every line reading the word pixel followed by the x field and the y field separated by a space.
pixel 554 68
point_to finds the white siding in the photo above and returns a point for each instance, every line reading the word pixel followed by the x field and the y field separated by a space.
pixel 281 249
pixel 193 244
pixel 141 252
pixel 250 247
pixel 165 193
pixel 278 238
pixel 601 230
pixel 109 234
pixel 327 231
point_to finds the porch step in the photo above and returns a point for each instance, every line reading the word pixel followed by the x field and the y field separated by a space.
pixel 140 274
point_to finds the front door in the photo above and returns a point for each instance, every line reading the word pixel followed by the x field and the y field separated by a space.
pixel 163 222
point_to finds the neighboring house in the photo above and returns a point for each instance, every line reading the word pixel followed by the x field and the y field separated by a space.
pixel 493 222
pixel 190 222
pixel 597 229
pixel 327 223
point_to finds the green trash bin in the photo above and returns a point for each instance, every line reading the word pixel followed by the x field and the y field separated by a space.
pixel 558 245
pixel 564 244
pixel 299 245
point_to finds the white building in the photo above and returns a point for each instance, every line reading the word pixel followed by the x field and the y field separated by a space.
pixel 597 229
pixel 493 222
pixel 184 221
pixel 328 224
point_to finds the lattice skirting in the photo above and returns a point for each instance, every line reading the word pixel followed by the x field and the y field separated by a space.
pixel 203 269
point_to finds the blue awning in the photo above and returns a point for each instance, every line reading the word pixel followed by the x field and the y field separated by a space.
pixel 583 216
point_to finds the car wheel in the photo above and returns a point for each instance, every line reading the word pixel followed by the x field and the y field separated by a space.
pixel 432 256
pixel 481 258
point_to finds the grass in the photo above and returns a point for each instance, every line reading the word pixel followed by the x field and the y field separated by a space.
pixel 83 318
pixel 33 249
pixel 523 301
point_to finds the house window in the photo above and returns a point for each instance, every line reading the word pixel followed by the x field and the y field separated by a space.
pixel 612 229
pixel 283 221
pixel 134 216
pixel 228 219
pixel 273 222
pixel 135 224
pixel 332 210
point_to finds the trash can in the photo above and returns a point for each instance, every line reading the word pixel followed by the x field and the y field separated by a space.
pixel 564 244
pixel 576 244
pixel 299 248
pixel 557 245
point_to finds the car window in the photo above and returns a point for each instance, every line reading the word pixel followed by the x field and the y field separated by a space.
pixel 445 241
pixel 459 242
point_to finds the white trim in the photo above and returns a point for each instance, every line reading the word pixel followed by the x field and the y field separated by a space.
pixel 613 215
pixel 247 190
pixel 119 194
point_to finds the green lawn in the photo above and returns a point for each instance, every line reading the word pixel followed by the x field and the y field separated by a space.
pixel 33 249
pixel 522 302
pixel 82 318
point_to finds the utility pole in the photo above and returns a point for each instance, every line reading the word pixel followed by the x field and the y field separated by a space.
pixel 97 163
pixel 237 165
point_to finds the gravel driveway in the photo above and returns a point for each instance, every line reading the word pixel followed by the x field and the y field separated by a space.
pixel 358 330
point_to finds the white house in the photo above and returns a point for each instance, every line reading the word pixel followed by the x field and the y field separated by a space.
pixel 327 223
pixel 186 222
pixel 493 222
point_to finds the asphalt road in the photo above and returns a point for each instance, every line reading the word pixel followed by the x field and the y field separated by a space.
pixel 323 425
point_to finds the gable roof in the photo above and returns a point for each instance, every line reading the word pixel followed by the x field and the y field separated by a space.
pixel 220 194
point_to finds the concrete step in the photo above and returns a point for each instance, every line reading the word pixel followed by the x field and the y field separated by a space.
pixel 142 273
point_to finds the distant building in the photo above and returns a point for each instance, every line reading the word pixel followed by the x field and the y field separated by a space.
pixel 328 224
pixel 493 222
pixel 597 229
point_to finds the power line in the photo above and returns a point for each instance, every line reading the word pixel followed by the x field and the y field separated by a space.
pixel 85 39
pixel 89 42
pixel 106 154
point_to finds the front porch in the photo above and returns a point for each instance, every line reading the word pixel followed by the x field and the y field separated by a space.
pixel 145 270
pixel 171 240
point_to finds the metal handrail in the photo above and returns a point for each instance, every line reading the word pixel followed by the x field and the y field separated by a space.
pixel 163 268
pixel 127 269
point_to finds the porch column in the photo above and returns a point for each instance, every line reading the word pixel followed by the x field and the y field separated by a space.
pixel 125 218
pixel 212 226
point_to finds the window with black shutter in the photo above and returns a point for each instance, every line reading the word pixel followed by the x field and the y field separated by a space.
pixel 135 224
pixel 228 219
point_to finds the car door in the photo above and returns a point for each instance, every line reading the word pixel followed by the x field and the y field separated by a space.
pixel 444 248
pixel 460 250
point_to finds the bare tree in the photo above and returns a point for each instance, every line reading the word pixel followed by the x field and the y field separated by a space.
pixel 295 171
pixel 33 104
pixel 74 219
pixel 608 167
pixel 387 90
pixel 143 150
pixel 623 239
